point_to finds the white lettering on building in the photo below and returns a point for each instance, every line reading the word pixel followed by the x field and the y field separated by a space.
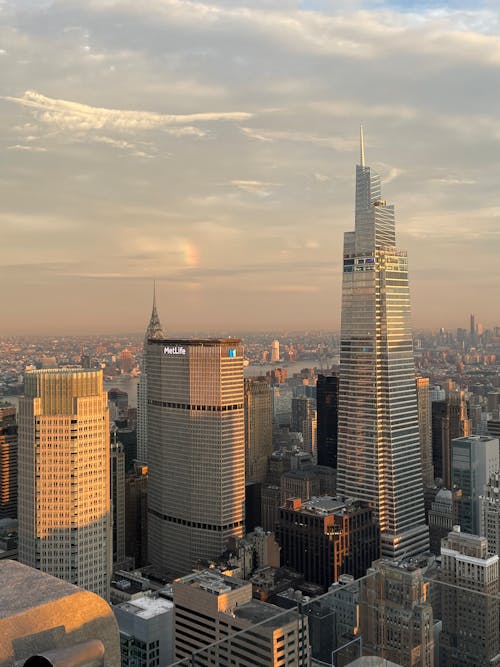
pixel 176 349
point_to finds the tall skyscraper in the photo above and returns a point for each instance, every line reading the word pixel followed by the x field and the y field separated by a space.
pixel 8 461
pixel 448 421
pixel 196 449
pixel 117 488
pixel 64 477
pixel 275 350
pixel 327 401
pixel 425 430
pixel 378 436
pixel 154 332
pixel 258 428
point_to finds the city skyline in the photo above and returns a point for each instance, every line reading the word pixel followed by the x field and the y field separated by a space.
pixel 222 167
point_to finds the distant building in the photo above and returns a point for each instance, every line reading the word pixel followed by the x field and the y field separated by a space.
pixel 196 449
pixel 8 461
pixel 154 331
pixel 275 351
pixel 64 477
pixel 396 615
pixel 473 459
pixel 117 488
pixel 443 515
pixel 449 421
pixel 469 598
pixel 136 515
pixel 302 409
pixel 325 537
pixel 146 631
pixel 258 429
pixel 327 397
pixel 425 430
pixel 210 607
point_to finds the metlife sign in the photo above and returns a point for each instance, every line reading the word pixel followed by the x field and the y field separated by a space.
pixel 175 349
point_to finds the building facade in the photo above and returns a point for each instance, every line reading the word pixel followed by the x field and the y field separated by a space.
pixel 258 429
pixel 154 331
pixel 489 513
pixel 136 515
pixel 473 459
pixel 469 601
pixel 146 626
pixel 449 420
pixel 8 461
pixel 378 432
pixel 396 615
pixel 196 445
pixel 64 477
pixel 323 538
pixel 327 400
pixel 425 430
pixel 210 607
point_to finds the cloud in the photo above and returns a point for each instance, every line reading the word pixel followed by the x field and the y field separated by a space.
pixel 255 187
pixel 449 180
pixel 337 143
pixel 74 116
pixel 24 147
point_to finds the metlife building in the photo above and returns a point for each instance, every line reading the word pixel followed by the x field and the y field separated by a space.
pixel 196 449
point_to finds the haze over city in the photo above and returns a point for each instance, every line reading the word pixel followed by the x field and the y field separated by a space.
pixel 211 146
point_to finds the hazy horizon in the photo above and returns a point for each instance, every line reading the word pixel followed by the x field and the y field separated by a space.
pixel 212 146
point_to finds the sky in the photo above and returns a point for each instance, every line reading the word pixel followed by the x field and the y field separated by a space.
pixel 211 145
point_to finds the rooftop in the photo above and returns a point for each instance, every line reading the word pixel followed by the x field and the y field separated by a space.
pixel 262 612
pixel 147 606
pixel 194 341
pixel 213 582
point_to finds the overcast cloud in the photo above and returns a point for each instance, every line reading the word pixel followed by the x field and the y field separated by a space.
pixel 212 146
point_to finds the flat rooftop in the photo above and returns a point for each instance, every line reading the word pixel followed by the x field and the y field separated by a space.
pixel 323 505
pixel 269 615
pixel 213 582
pixel 147 607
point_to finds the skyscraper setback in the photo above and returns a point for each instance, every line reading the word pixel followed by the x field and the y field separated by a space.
pixel 378 436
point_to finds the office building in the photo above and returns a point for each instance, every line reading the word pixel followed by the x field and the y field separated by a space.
pixel 425 430
pixel 325 537
pixel 196 445
pixel 473 459
pixel 396 616
pixel 302 409
pixel 210 607
pixel 8 461
pixel 64 477
pixel 117 488
pixel 154 331
pixel 327 398
pixel 449 420
pixel 146 626
pixel 275 351
pixel 443 515
pixel 310 435
pixel 378 435
pixel 258 429
pixel 489 513
pixel 136 515
pixel 469 600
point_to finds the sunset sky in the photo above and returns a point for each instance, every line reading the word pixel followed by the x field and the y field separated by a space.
pixel 212 146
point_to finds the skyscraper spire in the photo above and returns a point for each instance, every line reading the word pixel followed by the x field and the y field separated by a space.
pixel 154 329
pixel 361 147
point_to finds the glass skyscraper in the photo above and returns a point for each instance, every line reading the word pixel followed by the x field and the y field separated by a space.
pixel 378 434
